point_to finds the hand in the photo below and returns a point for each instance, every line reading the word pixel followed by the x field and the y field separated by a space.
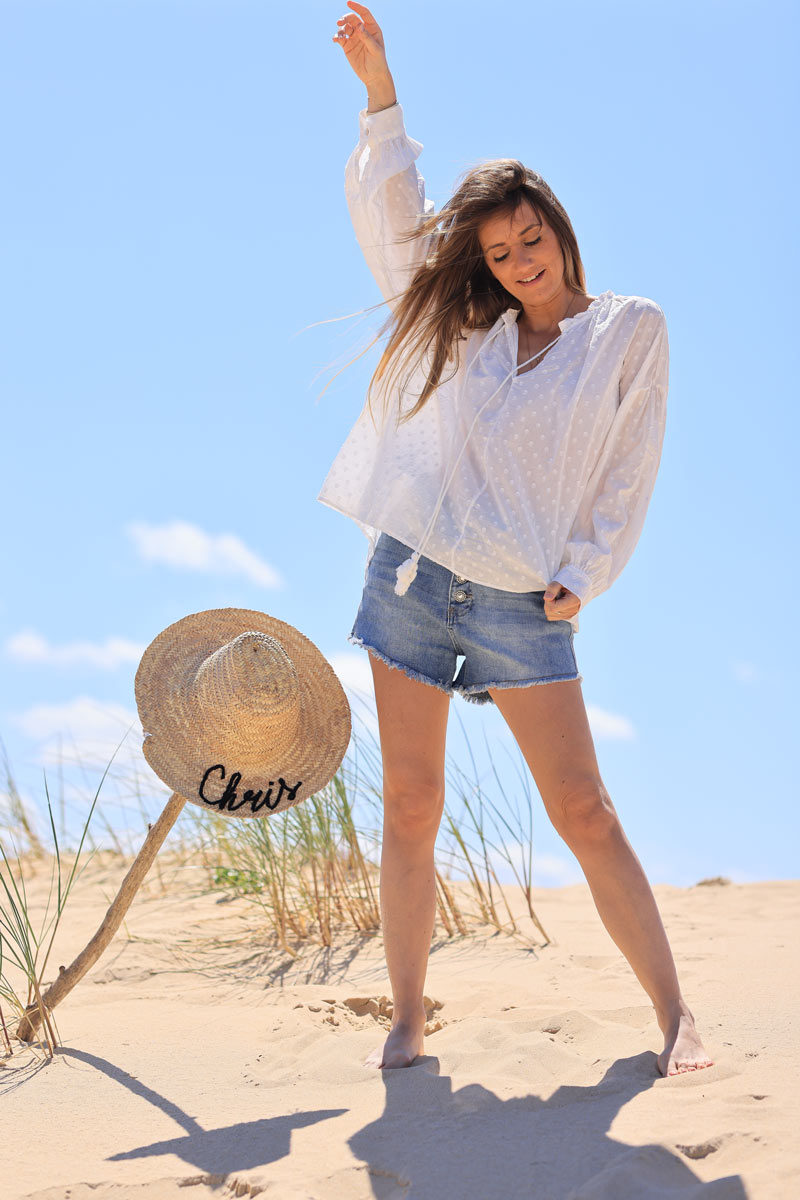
pixel 362 42
pixel 560 603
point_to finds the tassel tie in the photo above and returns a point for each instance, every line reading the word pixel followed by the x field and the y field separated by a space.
pixel 407 571
pixel 406 574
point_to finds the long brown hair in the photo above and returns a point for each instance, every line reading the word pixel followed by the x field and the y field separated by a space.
pixel 454 291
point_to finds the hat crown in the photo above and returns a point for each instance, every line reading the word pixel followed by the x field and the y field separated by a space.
pixel 241 712
pixel 250 686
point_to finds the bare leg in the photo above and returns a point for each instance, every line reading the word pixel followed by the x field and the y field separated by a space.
pixel 628 909
pixel 550 725
pixel 412 718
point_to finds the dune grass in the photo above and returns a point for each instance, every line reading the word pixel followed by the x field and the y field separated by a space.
pixel 311 872
pixel 25 948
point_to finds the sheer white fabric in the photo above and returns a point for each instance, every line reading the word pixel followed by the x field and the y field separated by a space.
pixel 508 480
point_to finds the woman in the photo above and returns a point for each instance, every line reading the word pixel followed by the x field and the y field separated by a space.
pixel 518 444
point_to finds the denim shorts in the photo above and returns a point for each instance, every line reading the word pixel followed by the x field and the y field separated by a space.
pixel 505 638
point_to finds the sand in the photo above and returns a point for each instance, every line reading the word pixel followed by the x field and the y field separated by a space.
pixel 195 1069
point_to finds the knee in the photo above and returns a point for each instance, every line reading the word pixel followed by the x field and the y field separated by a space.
pixel 412 809
pixel 585 814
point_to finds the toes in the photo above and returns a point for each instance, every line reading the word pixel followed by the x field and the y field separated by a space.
pixel 681 1068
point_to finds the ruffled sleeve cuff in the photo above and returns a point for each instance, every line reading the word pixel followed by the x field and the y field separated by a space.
pixel 383 125
pixel 575 580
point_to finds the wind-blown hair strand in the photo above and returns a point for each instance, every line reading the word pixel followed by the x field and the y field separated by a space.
pixel 453 291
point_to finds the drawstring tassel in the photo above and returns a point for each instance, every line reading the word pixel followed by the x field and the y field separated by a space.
pixel 406 574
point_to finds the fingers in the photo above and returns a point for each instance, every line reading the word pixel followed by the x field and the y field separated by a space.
pixel 349 29
pixel 560 603
pixel 363 12
pixel 369 26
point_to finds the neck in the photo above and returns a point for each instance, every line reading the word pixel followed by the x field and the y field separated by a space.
pixel 543 317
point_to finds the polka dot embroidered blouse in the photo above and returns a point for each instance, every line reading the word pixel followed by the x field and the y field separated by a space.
pixel 510 480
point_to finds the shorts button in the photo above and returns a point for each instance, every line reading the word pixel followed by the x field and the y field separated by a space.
pixel 459 596
pixel 460 579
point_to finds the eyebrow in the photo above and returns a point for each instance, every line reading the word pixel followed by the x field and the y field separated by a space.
pixel 525 230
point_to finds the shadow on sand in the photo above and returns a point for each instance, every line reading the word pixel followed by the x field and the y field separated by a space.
pixel 239 1147
pixel 431 1143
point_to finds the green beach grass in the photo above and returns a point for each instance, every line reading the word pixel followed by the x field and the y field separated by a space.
pixel 310 872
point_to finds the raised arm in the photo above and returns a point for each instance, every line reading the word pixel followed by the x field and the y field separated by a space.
pixel 384 190
pixel 363 45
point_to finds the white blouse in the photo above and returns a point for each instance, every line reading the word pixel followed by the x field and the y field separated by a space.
pixel 508 480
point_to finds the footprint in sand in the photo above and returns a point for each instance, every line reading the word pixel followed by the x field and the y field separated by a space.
pixel 703 1149
pixel 380 1009
pixel 570 1026
pixel 328 1007
pixel 377 1009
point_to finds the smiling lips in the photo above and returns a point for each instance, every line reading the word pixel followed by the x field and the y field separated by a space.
pixel 530 279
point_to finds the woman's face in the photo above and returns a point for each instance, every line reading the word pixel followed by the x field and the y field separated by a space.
pixel 519 246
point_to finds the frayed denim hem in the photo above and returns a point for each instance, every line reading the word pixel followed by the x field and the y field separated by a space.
pixel 390 662
pixel 479 693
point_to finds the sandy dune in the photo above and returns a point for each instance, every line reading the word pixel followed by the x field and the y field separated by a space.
pixel 193 1068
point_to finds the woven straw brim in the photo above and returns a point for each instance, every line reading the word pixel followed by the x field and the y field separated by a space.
pixel 181 746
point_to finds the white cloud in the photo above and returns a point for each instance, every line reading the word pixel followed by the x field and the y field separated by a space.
pixel 179 544
pixel 606 724
pixel 82 730
pixel 355 675
pixel 31 647
pixel 550 870
pixel 82 717
pixel 86 744
pixel 354 671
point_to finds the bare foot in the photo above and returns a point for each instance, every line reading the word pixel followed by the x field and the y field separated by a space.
pixel 683 1051
pixel 400 1049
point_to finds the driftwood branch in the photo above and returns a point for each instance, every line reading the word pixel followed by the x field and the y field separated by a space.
pixel 70 975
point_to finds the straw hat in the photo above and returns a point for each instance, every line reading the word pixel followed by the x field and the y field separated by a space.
pixel 241 713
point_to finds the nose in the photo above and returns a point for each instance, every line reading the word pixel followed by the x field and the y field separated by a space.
pixel 523 265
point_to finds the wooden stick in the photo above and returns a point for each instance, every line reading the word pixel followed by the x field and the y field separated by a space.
pixel 42 1014
pixel 6 1038
pixel 70 975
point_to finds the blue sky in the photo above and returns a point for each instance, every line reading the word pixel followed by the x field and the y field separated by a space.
pixel 176 258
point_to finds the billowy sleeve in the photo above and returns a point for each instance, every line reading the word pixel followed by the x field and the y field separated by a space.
pixel 386 195
pixel 612 512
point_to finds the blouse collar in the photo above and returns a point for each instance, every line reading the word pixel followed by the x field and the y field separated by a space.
pixel 510 316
